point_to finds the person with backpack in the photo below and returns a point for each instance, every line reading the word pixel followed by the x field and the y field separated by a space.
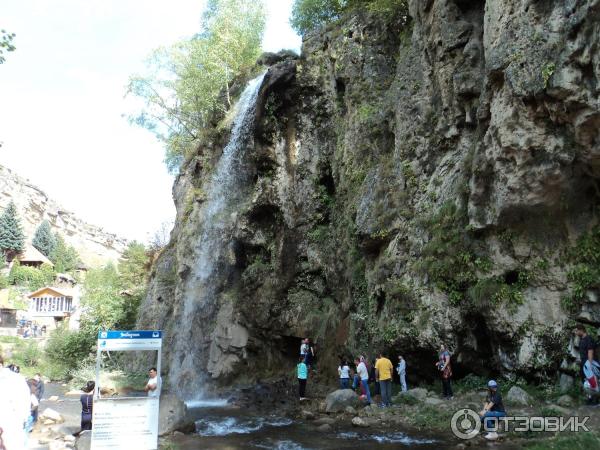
pixel 590 368
pixel 445 368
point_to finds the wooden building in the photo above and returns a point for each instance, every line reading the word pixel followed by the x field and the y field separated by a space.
pixel 32 257
pixel 52 305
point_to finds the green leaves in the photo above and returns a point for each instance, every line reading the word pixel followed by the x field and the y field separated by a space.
pixel 12 239
pixel 6 44
pixel 188 83
pixel 308 15
pixel 43 239
pixel 64 257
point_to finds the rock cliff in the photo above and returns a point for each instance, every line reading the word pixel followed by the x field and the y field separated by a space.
pixel 94 245
pixel 410 181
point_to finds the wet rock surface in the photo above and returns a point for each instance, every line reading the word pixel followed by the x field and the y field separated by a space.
pixel 410 181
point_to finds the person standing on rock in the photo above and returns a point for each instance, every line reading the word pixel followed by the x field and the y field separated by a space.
pixel 310 355
pixel 344 372
pixel 384 369
pixel 302 373
pixel 87 405
pixel 445 369
pixel 304 347
pixel 401 369
pixel 154 383
pixel 363 375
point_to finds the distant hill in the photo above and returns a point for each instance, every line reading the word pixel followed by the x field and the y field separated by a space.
pixel 94 245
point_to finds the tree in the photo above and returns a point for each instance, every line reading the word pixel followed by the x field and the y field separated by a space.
pixel 64 257
pixel 182 90
pixel 101 299
pixel 308 15
pixel 134 267
pixel 6 44
pixel 44 240
pixel 12 239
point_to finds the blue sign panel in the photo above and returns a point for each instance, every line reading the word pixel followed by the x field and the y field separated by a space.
pixel 130 334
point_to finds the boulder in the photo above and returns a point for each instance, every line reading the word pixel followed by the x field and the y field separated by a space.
pixel 350 410
pixel 418 393
pixel 84 441
pixel 337 401
pixel 565 400
pixel 172 414
pixel 517 396
pixel 324 428
pixel 57 445
pixel 359 422
pixel 307 415
pixel 566 382
pixel 50 414
pixel 69 438
pixel 325 420
pixel 53 398
pixel 560 410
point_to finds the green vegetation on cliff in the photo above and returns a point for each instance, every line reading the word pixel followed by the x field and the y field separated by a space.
pixel 186 82
pixel 308 15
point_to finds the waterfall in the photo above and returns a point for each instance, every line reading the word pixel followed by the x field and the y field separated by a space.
pixel 224 191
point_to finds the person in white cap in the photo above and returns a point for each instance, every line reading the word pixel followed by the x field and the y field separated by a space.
pixel 493 408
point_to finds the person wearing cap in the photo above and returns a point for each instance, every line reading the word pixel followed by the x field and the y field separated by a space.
pixel 493 408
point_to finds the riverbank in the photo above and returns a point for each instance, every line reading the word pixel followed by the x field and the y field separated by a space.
pixel 417 419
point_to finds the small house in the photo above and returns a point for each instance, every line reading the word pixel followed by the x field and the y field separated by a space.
pixel 8 314
pixel 51 306
pixel 32 257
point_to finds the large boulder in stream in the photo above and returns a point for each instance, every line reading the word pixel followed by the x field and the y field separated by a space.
pixel 337 401
pixel 172 414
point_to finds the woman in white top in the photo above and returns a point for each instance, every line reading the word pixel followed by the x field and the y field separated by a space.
pixel 344 372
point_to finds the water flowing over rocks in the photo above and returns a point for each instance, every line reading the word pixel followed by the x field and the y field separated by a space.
pixel 405 182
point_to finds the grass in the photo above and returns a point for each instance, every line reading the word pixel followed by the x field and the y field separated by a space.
pixel 431 417
pixel 572 441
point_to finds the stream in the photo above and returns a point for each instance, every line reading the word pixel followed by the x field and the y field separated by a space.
pixel 234 429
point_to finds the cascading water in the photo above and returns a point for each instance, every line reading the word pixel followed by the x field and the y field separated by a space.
pixel 224 192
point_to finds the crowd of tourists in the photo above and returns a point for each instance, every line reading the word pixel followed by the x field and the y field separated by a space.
pixel 374 378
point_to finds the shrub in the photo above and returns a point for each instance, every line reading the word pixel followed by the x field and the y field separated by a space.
pixel 308 15
pixel 67 348
pixel 31 277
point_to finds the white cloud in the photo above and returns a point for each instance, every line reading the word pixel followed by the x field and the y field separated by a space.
pixel 61 97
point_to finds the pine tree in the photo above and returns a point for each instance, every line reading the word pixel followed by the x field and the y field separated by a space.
pixel 64 257
pixel 12 239
pixel 43 239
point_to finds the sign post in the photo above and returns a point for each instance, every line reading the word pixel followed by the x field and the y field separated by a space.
pixel 126 422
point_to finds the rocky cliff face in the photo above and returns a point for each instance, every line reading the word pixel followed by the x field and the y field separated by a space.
pixel 413 181
pixel 94 245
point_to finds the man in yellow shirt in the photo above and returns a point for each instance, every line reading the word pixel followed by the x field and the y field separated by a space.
pixel 383 374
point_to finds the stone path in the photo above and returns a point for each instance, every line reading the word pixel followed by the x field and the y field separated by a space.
pixel 50 436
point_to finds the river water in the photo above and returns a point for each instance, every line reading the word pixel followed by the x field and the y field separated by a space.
pixel 235 429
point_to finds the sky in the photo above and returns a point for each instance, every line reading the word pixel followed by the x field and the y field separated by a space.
pixel 62 104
